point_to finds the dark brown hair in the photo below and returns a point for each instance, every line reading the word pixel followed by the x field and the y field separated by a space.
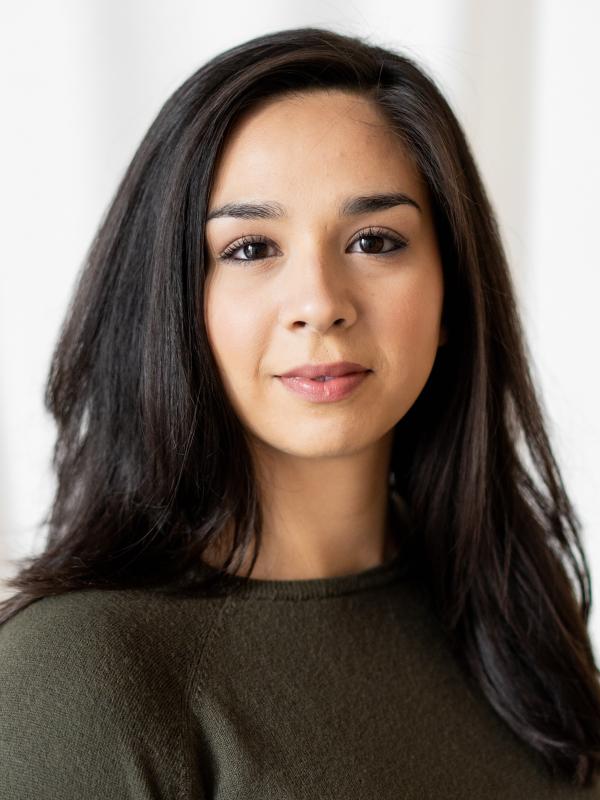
pixel 152 462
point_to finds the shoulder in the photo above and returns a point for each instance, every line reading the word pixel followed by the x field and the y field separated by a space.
pixel 102 632
pixel 93 682
pixel 87 618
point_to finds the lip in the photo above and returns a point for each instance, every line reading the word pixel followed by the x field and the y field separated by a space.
pixel 324 391
pixel 336 369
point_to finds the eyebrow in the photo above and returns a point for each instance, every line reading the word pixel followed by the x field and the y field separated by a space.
pixel 351 206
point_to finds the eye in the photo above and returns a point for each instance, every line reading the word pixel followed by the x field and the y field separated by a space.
pixel 372 236
pixel 249 244
pixel 253 243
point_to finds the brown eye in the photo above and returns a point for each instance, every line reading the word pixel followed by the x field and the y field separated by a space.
pixel 250 247
pixel 372 242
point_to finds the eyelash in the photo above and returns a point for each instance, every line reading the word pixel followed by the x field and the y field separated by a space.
pixel 227 254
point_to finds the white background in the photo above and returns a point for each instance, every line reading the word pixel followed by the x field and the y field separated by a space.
pixel 82 80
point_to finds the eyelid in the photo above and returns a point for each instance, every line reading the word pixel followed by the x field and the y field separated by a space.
pixel 377 230
pixel 252 238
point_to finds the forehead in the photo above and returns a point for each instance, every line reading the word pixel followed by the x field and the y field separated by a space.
pixel 310 141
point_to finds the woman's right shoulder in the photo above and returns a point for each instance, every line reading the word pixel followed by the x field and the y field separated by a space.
pixel 90 683
pixel 81 625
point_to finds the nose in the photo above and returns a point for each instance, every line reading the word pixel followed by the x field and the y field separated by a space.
pixel 318 292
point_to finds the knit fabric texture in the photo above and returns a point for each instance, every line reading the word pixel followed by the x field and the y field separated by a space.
pixel 340 688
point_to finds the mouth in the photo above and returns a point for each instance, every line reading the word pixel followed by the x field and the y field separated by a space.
pixel 324 372
pixel 324 388
pixel 323 378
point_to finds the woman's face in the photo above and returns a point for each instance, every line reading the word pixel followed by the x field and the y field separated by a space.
pixel 316 284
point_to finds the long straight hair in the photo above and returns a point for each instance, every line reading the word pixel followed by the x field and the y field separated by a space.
pixel 153 464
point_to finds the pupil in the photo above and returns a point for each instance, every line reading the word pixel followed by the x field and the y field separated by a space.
pixel 370 239
pixel 248 253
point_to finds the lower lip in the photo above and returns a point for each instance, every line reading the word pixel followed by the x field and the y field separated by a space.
pixel 325 391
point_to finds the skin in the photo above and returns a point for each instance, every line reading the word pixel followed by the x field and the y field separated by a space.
pixel 315 292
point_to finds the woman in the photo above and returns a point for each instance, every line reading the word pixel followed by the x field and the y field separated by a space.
pixel 309 537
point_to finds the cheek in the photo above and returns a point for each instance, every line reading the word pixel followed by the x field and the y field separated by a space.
pixel 412 313
pixel 235 330
pixel 408 326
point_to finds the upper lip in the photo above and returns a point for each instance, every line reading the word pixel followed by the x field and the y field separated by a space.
pixel 334 370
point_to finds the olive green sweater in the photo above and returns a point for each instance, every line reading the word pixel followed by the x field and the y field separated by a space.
pixel 339 688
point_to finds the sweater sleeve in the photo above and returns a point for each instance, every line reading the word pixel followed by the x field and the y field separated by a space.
pixel 83 711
